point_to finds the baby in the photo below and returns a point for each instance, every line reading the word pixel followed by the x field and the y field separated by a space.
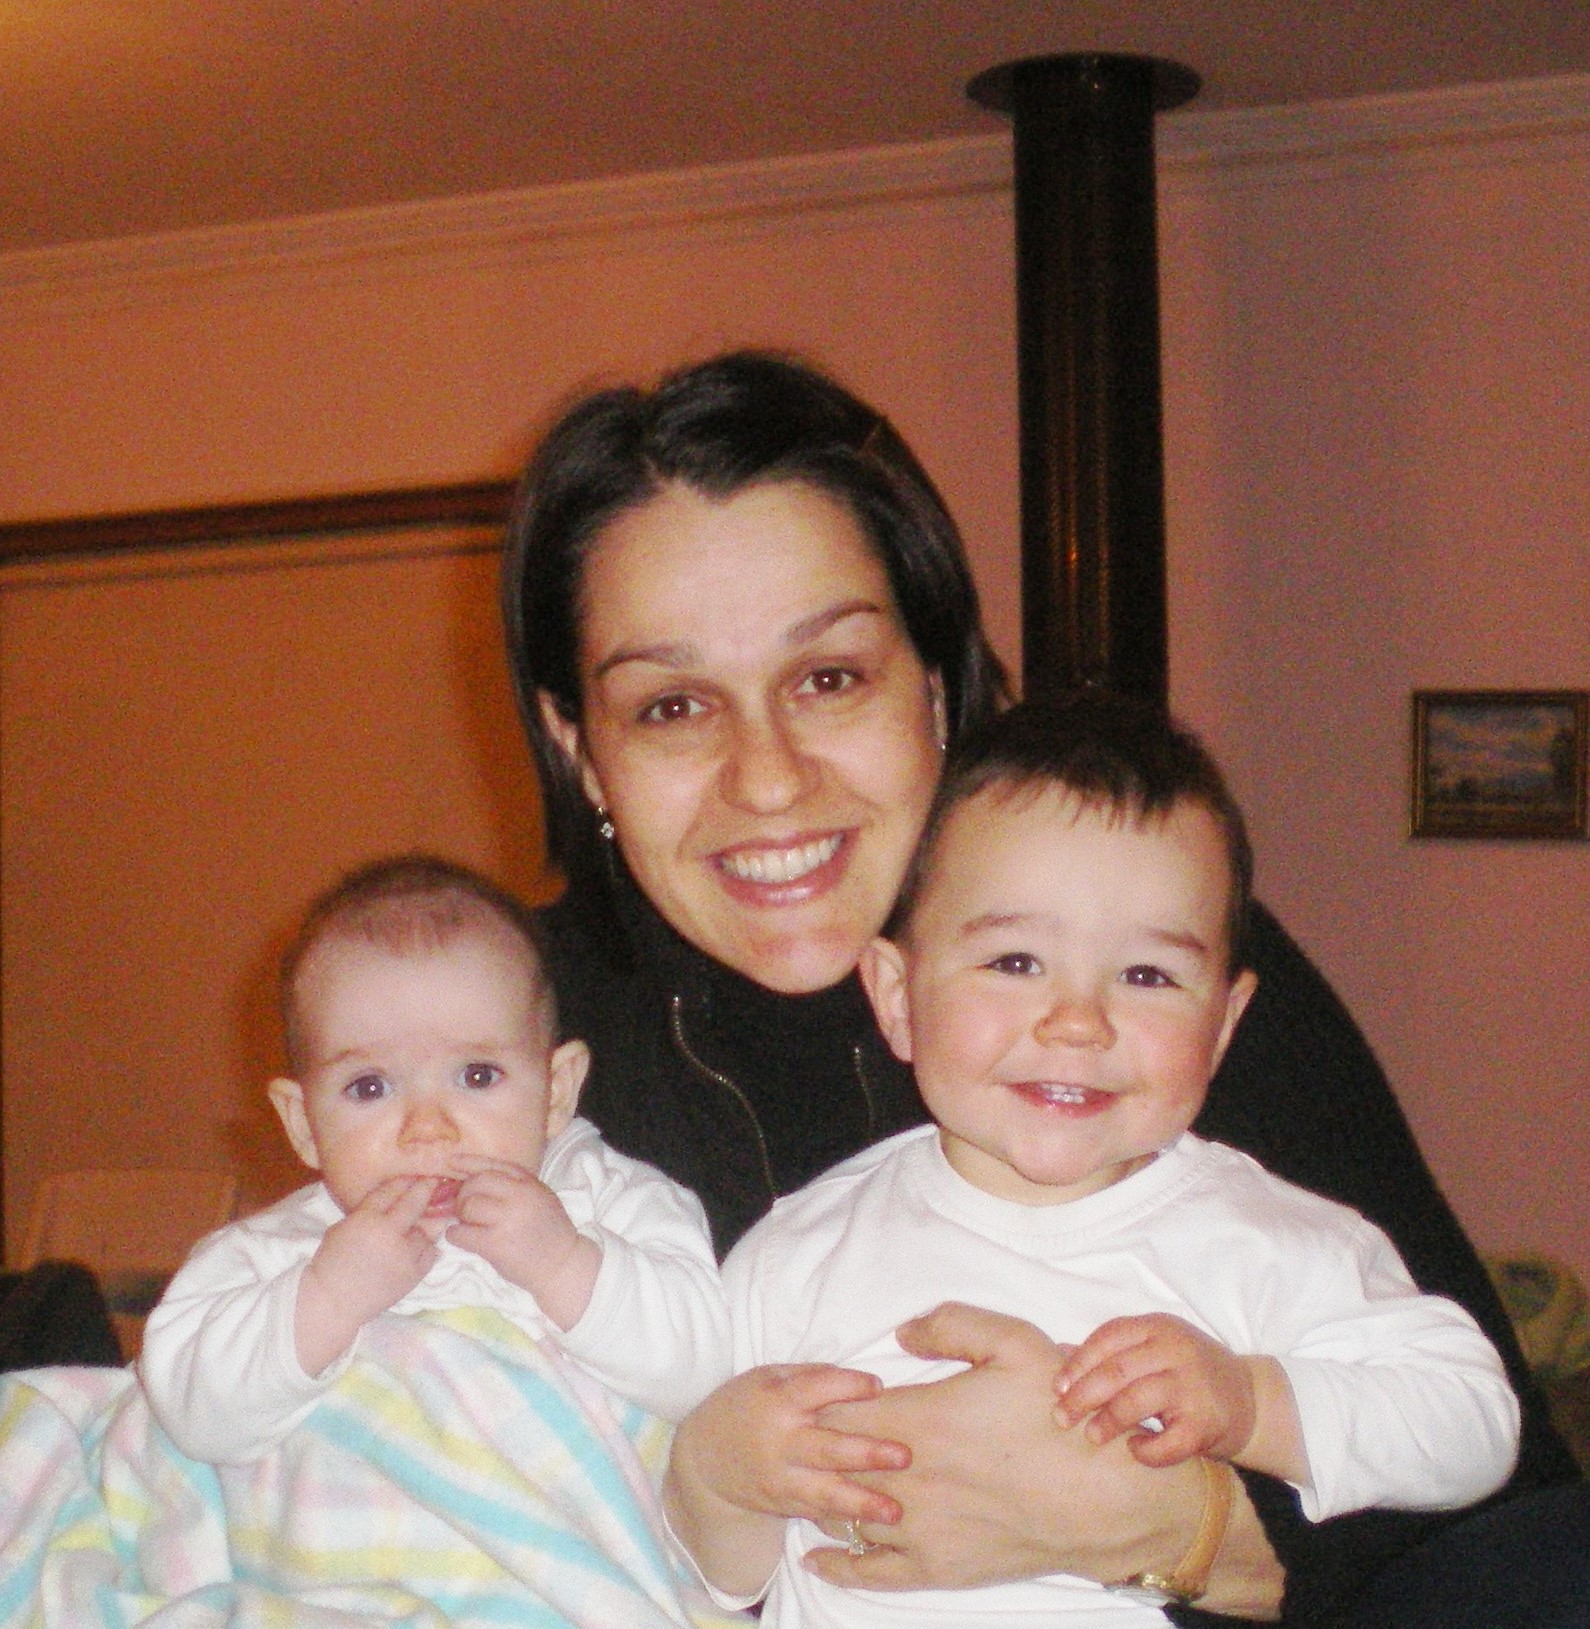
pixel 430 1091
pixel 1064 971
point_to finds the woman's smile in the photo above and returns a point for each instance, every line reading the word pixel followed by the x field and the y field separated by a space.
pixel 774 871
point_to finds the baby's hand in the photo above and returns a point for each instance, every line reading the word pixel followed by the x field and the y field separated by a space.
pixel 1131 1369
pixel 366 1263
pixel 509 1216
pixel 756 1443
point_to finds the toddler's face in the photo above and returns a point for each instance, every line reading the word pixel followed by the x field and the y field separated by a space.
pixel 1063 993
pixel 436 1064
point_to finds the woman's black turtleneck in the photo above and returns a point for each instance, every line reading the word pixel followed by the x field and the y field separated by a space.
pixel 735 1090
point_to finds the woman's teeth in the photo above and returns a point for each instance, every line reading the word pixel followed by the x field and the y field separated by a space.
pixel 780 865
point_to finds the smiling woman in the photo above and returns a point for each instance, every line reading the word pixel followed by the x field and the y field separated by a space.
pixel 742 626
pixel 757 724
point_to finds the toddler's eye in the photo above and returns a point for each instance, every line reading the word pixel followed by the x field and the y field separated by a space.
pixel 365 1089
pixel 477 1075
pixel 1019 963
pixel 1148 978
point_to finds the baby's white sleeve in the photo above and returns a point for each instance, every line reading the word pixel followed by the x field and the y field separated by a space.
pixel 656 1329
pixel 219 1363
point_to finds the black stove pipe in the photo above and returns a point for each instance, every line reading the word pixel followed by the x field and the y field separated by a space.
pixel 1087 307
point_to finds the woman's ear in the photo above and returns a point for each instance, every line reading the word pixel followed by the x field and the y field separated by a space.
pixel 567 736
pixel 882 969
pixel 566 1072
pixel 287 1098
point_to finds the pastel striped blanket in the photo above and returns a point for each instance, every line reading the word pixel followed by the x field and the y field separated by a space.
pixel 458 1474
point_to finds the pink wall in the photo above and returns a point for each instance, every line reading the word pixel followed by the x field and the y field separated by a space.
pixel 1377 324
pixel 1378 399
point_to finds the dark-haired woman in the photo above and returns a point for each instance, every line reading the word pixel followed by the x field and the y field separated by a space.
pixel 743 629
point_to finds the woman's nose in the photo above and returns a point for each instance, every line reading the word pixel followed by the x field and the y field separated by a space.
pixel 765 769
pixel 1076 1019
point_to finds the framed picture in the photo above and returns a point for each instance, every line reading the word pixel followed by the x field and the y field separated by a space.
pixel 1499 763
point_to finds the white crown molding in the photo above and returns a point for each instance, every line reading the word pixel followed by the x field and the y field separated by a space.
pixel 1461 114
pixel 1248 144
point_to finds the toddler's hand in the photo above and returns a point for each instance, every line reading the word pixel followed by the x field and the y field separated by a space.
pixel 1131 1369
pixel 509 1216
pixel 366 1263
pixel 756 1443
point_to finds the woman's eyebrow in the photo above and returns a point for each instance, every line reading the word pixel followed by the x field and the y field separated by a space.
pixel 814 626
pixel 663 655
pixel 679 654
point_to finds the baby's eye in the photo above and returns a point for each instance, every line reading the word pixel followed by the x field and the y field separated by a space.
pixel 478 1075
pixel 671 709
pixel 366 1089
pixel 1018 963
pixel 1148 978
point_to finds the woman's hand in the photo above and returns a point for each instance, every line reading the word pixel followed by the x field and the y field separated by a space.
pixel 756 1453
pixel 998 1489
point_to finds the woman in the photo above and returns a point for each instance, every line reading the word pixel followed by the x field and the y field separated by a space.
pixel 743 628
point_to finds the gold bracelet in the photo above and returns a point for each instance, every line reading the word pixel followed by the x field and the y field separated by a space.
pixel 1187 1581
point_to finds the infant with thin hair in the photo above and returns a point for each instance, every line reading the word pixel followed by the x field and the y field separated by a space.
pixel 431 1092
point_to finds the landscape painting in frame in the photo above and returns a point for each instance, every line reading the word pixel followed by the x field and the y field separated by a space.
pixel 1499 763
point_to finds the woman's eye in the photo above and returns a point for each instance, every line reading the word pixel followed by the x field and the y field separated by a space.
pixel 365 1089
pixel 1148 978
pixel 1020 963
pixel 829 681
pixel 477 1075
pixel 670 710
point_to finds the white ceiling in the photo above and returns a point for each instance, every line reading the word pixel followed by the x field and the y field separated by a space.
pixel 122 117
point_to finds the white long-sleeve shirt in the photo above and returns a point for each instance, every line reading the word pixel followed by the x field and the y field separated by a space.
pixel 1402 1400
pixel 220 1364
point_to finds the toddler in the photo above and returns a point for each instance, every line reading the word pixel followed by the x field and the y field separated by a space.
pixel 1064 971
pixel 431 1093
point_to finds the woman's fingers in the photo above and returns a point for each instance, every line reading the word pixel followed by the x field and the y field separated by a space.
pixel 879 1567
pixel 974 1335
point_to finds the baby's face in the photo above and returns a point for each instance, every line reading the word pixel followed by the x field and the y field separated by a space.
pixel 432 1064
pixel 1063 992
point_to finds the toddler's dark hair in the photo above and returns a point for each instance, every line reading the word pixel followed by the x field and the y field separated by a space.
pixel 1115 753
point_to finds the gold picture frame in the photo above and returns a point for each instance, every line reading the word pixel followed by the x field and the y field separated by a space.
pixel 1499 763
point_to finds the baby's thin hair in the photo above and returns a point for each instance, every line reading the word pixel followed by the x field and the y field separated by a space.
pixel 407 905
pixel 1115 754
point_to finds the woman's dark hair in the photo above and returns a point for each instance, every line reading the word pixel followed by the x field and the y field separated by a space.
pixel 1117 754
pixel 719 427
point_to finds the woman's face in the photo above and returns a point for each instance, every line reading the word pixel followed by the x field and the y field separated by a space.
pixel 757 724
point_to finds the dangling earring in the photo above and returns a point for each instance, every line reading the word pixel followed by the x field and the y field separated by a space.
pixel 604 826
